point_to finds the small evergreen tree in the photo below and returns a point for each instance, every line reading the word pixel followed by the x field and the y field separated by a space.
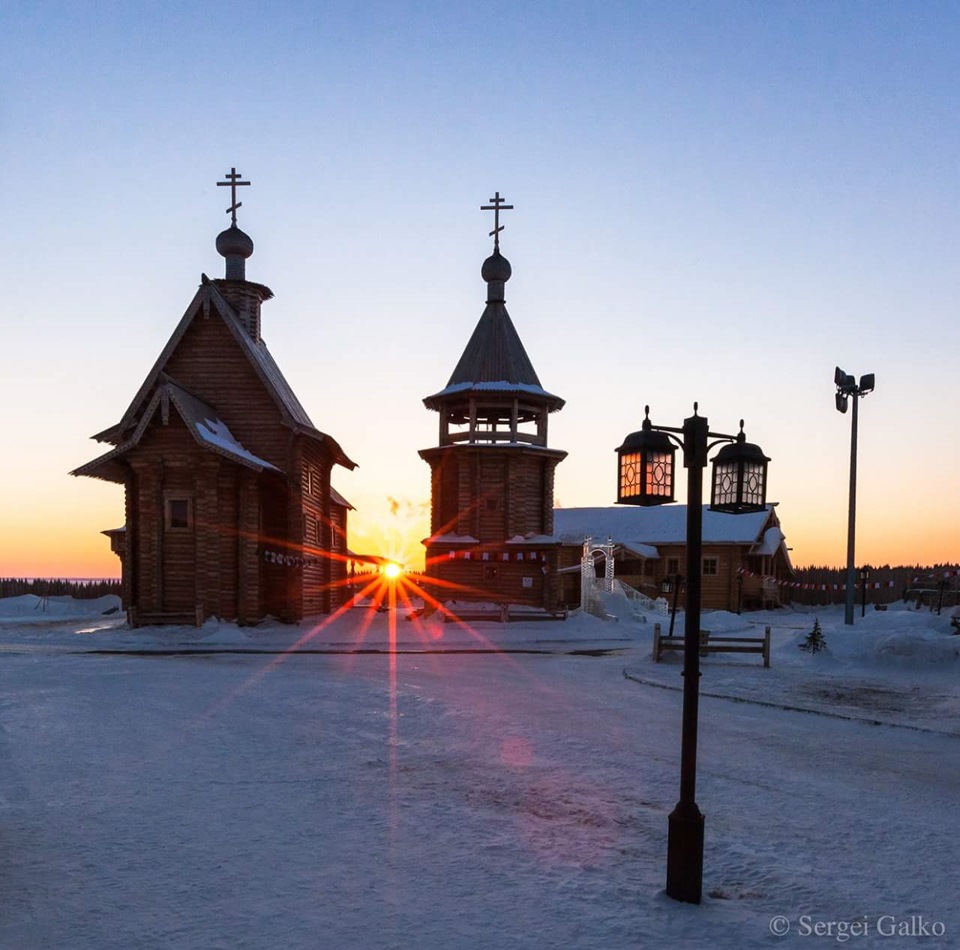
pixel 814 642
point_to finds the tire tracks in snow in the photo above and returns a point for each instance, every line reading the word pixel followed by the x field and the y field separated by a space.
pixel 787 707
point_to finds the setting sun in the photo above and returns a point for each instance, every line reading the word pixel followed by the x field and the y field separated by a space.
pixel 392 570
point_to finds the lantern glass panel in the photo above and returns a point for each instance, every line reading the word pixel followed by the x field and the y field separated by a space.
pixel 659 474
pixel 725 484
pixel 630 470
pixel 753 488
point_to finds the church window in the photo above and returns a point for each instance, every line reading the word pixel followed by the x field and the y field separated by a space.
pixel 178 513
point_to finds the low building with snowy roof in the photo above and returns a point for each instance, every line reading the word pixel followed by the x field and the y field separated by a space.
pixel 745 561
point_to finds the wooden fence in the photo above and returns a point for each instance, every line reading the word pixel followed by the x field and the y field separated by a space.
pixel 885 585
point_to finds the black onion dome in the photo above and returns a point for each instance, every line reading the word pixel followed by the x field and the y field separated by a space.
pixel 496 267
pixel 234 243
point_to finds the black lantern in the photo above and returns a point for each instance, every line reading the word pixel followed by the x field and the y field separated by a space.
pixel 739 477
pixel 645 467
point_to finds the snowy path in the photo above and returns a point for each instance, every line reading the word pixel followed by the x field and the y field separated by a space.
pixel 488 801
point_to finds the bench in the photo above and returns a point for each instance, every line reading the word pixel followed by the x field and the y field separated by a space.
pixel 712 643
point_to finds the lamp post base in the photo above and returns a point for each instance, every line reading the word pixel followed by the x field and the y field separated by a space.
pixel 685 854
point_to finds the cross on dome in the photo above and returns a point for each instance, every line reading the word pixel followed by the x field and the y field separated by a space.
pixel 496 207
pixel 233 180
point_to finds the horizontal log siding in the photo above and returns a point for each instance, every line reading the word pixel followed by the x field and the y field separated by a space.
pixel 276 577
pixel 251 568
pixel 146 541
pixel 207 530
pixel 209 362
pixel 490 494
pixel 228 587
pixel 313 465
pixel 131 557
pixel 471 582
pixel 338 562
pixel 168 459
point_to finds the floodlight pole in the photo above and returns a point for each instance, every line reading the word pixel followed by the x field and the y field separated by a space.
pixel 852 515
pixel 848 388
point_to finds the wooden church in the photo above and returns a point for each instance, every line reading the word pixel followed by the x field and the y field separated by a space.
pixel 492 473
pixel 229 507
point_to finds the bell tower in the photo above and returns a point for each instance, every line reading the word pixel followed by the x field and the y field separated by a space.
pixel 492 473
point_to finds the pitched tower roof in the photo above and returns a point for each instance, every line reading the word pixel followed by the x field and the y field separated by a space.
pixel 494 359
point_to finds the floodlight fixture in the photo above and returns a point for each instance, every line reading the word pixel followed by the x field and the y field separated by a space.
pixel 847 388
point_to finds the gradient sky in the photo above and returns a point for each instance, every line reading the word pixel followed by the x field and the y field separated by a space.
pixel 714 201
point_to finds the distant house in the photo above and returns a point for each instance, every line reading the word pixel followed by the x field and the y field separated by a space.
pixel 229 507
pixel 745 557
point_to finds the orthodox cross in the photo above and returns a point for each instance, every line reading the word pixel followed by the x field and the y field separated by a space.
pixel 233 180
pixel 496 208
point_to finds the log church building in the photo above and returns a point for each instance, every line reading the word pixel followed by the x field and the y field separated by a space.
pixel 230 511
pixel 492 471
pixel 495 535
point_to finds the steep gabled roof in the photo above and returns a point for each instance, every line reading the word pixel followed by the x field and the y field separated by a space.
pixel 201 421
pixel 292 412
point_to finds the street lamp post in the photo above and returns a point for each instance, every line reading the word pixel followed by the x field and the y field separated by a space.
pixel 864 577
pixel 645 471
pixel 848 387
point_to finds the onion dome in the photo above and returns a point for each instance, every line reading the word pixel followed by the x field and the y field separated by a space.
pixel 496 267
pixel 496 272
pixel 236 246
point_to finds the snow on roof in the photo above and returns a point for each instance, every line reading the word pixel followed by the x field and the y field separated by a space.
pixel 201 421
pixel 636 527
pixel 533 539
pixel 640 550
pixel 772 538
pixel 451 539
pixel 215 433
pixel 260 358
pixel 498 386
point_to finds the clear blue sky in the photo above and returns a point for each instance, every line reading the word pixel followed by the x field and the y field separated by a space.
pixel 714 201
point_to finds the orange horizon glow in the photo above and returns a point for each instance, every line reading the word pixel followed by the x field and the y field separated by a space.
pixel 83 552
pixel 65 540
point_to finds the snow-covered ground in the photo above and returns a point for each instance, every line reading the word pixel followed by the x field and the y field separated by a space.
pixel 494 786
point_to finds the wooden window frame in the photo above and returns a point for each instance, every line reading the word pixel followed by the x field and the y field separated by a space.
pixel 171 498
pixel 714 565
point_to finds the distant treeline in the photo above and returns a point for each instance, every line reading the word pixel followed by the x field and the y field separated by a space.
pixel 884 584
pixel 57 587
